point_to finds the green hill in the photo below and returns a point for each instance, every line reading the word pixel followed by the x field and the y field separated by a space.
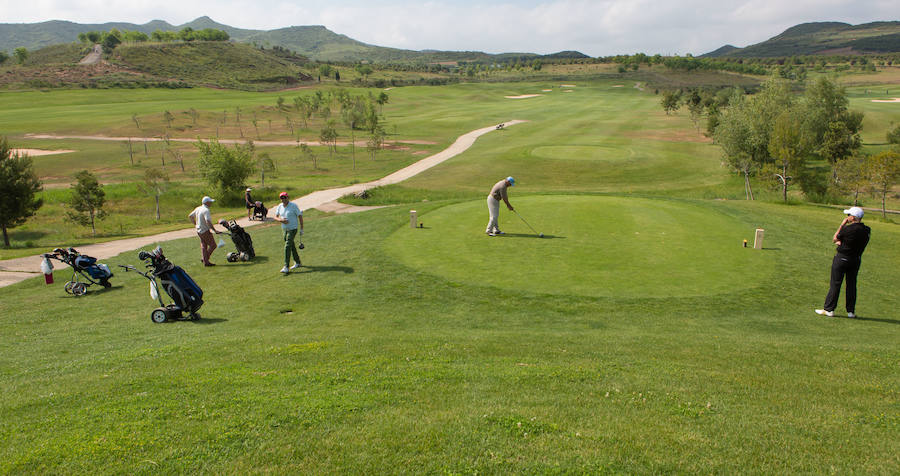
pixel 822 38
pixel 313 41
pixel 223 64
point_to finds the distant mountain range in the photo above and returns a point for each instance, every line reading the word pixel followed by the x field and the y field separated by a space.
pixel 322 44
pixel 822 38
pixel 314 41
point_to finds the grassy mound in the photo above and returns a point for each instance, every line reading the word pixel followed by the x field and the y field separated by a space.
pixel 593 246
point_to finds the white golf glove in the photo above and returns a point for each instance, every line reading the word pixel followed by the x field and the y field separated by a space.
pixel 301 231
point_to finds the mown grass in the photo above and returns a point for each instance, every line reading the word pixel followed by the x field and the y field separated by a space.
pixel 361 364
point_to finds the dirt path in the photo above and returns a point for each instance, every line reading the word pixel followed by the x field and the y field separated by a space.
pixel 19 269
pixel 360 143
pixel 94 56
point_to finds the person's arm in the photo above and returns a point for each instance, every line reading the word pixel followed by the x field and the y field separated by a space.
pixel 505 198
pixel 211 227
pixel 836 238
pixel 278 216
pixel 193 217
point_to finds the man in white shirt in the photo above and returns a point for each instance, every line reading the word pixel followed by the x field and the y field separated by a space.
pixel 498 192
pixel 202 220
pixel 291 217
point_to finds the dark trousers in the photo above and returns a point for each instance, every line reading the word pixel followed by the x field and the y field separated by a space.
pixel 843 266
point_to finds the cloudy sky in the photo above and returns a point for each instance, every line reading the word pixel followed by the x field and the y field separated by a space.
pixel 594 27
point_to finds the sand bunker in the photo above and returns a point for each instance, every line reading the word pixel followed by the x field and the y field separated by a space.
pixel 522 96
pixel 547 90
pixel 567 85
pixel 619 86
pixel 37 152
pixel 887 100
pixel 567 91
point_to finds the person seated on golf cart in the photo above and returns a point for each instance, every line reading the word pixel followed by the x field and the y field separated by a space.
pixel 498 192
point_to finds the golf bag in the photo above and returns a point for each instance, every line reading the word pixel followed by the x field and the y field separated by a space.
pixel 82 265
pixel 185 293
pixel 259 211
pixel 242 242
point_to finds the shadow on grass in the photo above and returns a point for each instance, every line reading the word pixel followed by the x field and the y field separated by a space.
pixel 532 235
pixel 321 269
pixel 875 319
pixel 205 321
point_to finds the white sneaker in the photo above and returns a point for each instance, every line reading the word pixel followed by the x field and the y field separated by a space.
pixel 823 312
pixel 285 270
pixel 851 315
pixel 295 266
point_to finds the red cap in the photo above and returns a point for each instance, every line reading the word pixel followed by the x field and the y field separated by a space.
pixel 282 194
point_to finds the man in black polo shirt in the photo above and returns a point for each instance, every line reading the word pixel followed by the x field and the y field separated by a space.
pixel 851 239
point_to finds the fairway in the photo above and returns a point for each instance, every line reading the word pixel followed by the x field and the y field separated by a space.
pixel 593 246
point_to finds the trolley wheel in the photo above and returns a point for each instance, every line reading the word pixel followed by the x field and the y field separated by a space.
pixel 158 315
pixel 68 287
pixel 106 283
pixel 194 316
pixel 79 289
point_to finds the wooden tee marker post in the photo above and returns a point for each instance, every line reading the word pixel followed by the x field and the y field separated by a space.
pixel 758 241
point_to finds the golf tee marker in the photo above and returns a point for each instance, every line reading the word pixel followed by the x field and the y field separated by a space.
pixel 758 241
pixel 412 218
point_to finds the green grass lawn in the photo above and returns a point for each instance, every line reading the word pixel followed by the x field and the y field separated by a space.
pixel 364 363
pixel 638 336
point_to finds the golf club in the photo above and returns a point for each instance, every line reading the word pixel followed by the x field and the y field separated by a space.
pixel 529 226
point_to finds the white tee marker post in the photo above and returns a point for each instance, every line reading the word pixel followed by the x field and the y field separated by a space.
pixel 758 241
pixel 412 219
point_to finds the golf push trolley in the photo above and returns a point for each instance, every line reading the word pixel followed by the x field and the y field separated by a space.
pixel 82 265
pixel 185 293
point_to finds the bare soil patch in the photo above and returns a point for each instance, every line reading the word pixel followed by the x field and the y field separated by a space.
pixel 523 96
pixel 887 100
pixel 670 136
pixel 37 152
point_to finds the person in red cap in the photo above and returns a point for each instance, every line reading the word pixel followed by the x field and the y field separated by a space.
pixel 291 218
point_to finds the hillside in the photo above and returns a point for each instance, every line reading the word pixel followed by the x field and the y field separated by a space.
pixel 822 38
pixel 314 41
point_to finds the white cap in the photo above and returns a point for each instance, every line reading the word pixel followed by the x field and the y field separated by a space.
pixel 207 200
pixel 855 211
pixel 248 189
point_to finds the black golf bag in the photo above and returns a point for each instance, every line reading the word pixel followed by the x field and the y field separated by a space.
pixel 242 242
pixel 185 293
pixel 82 265
pixel 259 211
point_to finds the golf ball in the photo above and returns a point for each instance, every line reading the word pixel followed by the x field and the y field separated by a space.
pixel 541 235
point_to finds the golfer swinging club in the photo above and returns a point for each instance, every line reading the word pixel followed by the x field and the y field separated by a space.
pixel 493 203
pixel 851 239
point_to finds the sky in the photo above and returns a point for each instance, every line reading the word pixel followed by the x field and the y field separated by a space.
pixel 593 27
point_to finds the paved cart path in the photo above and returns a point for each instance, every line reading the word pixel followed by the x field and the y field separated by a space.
pixel 19 269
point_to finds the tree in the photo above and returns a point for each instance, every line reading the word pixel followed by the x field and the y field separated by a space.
pixel 851 175
pixel 376 141
pixel 382 99
pixel 839 142
pixel 788 147
pixel 892 136
pixel 364 70
pixel 18 187
pixel 21 54
pixel 225 169
pixel 111 40
pixel 266 164
pixel 884 172
pixel 86 201
pixel 670 101
pixel 3 57
pixel 308 152
pixel 155 184
pixel 169 117
pixel 328 136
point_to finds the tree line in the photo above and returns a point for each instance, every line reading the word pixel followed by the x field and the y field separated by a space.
pixel 780 137
pixel 112 38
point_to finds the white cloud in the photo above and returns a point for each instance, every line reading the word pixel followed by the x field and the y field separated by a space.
pixel 594 27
